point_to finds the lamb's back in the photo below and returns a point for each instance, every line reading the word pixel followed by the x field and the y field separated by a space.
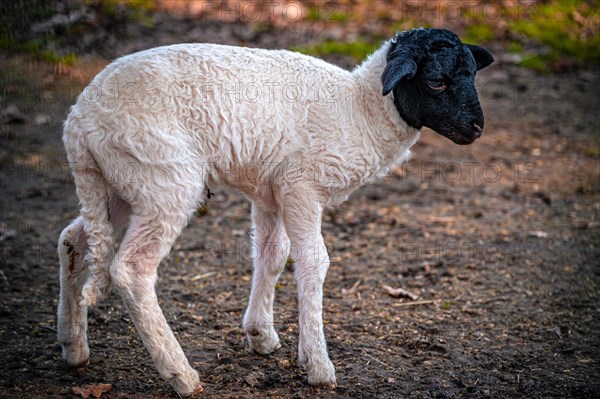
pixel 217 98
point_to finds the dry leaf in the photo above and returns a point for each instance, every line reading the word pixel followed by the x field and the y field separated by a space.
pixel 399 292
pixel 253 379
pixel 94 390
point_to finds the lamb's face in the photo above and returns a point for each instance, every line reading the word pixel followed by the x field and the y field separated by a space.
pixel 432 75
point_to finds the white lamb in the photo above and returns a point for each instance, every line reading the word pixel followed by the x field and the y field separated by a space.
pixel 154 127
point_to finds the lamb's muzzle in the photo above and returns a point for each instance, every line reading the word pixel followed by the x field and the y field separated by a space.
pixel 141 161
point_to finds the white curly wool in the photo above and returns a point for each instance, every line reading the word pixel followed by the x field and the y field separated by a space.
pixel 292 132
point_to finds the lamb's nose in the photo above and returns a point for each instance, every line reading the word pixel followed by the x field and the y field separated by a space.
pixel 478 130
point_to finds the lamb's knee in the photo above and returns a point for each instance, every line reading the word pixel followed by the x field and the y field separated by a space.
pixel 273 254
pixel 67 253
pixel 72 247
pixel 137 266
pixel 121 278
pixel 282 258
pixel 71 237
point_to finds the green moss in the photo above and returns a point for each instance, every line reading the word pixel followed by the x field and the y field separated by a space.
pixel 6 40
pixel 556 32
pixel 446 305
pixel 110 13
pixel 536 62
pixel 67 59
pixel 313 14
pixel 515 47
pixel 479 33
pixel 132 10
pixel 36 49
pixel 316 14
pixel 339 16
pixel 31 46
pixel 358 49
pixel 112 6
pixel 567 27
pixel 148 5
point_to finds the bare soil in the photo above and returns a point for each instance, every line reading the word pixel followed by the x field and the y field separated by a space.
pixel 499 240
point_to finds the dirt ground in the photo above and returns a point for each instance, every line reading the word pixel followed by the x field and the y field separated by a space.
pixel 499 240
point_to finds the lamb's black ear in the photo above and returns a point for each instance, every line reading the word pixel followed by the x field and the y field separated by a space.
pixel 397 69
pixel 481 55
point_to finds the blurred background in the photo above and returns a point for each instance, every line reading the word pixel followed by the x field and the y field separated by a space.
pixel 547 35
pixel 498 241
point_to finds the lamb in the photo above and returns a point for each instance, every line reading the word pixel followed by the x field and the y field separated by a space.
pixel 155 127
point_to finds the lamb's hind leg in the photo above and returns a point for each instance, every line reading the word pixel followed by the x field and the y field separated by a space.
pixel 133 273
pixel 72 313
pixel 271 249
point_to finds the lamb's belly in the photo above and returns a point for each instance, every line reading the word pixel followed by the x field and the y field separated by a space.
pixel 257 180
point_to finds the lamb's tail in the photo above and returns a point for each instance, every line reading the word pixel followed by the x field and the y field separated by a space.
pixel 94 193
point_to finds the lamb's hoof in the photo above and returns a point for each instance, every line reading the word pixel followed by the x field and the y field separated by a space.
pixel 195 394
pixel 320 370
pixel 186 384
pixel 80 365
pixel 321 374
pixel 263 348
pixel 76 356
pixel 263 343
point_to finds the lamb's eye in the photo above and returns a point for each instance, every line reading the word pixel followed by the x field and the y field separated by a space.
pixel 437 85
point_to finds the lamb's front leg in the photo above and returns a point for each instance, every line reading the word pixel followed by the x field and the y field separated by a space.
pixel 303 223
pixel 271 249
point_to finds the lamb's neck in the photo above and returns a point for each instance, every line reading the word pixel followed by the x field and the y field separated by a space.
pixel 378 118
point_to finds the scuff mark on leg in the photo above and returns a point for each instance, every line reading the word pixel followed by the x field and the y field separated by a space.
pixel 73 258
pixel 108 207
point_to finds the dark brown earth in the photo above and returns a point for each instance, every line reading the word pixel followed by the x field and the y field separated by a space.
pixel 499 240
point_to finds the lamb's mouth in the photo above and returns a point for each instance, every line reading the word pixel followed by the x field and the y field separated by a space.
pixel 465 137
pixel 463 140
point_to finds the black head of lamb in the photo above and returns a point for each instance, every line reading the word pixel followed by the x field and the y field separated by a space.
pixel 432 76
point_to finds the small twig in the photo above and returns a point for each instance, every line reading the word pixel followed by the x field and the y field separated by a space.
pixel 49 328
pixel 399 292
pixel 442 219
pixel 404 304
pixel 494 299
pixel 377 360
pixel 351 289
pixel 201 276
